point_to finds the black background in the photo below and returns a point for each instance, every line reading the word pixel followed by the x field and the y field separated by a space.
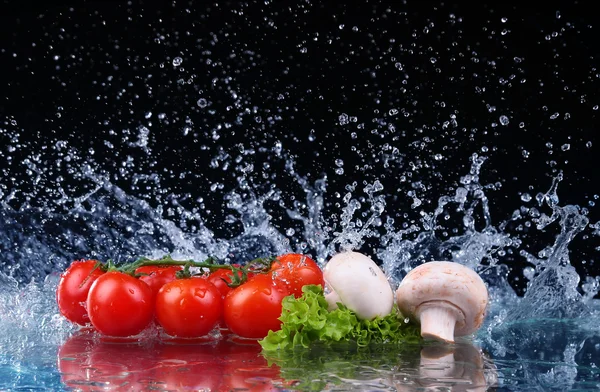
pixel 90 73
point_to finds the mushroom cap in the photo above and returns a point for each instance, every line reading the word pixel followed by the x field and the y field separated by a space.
pixel 450 284
pixel 360 284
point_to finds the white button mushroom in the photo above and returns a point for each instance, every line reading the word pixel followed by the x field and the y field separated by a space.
pixel 358 283
pixel 446 298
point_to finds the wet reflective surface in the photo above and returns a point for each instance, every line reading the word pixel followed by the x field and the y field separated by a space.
pixel 88 363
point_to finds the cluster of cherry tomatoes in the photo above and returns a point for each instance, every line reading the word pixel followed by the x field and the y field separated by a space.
pixel 122 304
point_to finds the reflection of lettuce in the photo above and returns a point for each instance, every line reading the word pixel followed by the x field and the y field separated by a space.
pixel 306 320
pixel 323 365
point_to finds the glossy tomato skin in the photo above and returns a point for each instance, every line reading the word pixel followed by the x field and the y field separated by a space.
pixel 157 276
pixel 220 278
pixel 295 271
pixel 73 288
pixel 188 308
pixel 120 305
pixel 254 308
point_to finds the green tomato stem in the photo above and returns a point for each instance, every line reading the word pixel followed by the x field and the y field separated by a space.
pixel 256 266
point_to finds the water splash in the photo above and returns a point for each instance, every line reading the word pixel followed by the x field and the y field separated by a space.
pixel 553 288
pixel 107 222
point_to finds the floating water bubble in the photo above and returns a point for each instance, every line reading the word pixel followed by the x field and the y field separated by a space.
pixel 343 119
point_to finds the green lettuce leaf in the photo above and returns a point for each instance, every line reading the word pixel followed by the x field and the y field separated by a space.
pixel 306 320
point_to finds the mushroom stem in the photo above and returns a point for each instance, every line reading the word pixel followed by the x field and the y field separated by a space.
pixel 332 299
pixel 438 320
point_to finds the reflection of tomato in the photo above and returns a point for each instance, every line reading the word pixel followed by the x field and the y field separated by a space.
pixel 72 360
pixel 189 367
pixel 125 366
pixel 157 276
pixel 254 308
pixel 188 307
pixel 88 364
pixel 85 364
pixel 246 369
pixel 73 288
pixel 295 271
pixel 120 305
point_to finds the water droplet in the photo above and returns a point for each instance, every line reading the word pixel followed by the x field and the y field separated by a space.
pixel 504 120
pixel 177 61
pixel 202 102
pixel 526 197
pixel 343 119
pixel 565 147
pixel 200 292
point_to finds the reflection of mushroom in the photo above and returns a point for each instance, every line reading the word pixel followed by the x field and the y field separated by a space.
pixel 358 283
pixel 446 298
pixel 459 368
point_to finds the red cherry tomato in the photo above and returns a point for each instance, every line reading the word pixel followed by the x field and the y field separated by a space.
pixel 253 308
pixel 220 278
pixel 120 305
pixel 157 276
pixel 189 307
pixel 295 271
pixel 73 288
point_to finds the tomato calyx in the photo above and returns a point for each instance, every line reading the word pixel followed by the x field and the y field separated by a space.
pixel 240 274
pixel 261 265
pixel 98 266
